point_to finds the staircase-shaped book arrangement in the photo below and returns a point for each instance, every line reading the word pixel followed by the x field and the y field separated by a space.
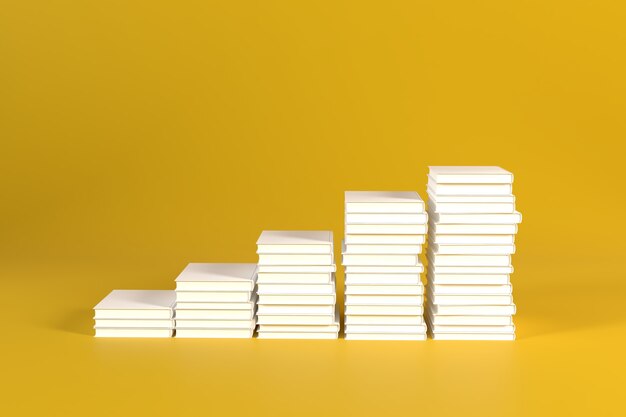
pixel 471 223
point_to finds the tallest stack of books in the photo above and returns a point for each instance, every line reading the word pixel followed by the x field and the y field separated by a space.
pixel 471 238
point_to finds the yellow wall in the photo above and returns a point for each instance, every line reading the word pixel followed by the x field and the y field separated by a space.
pixel 136 136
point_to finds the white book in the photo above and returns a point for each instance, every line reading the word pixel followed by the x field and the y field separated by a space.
pixel 217 277
pixel 469 189
pixel 208 297
pixel 297 299
pixel 473 336
pixel 470 239
pixel 287 241
pixel 383 336
pixel 384 289
pixel 468 260
pixel 215 333
pixel 464 279
pixel 462 199
pixel 134 323
pixel 383 202
pixel 136 304
pixel 390 300
pixel 329 328
pixel 297 335
pixel 385 328
pixel 386 229
pixel 386 218
pixel 471 289
pixel 417 269
pixel 215 324
pixel 307 319
pixel 379 320
pixel 248 305
pixel 296 310
pixel 472 249
pixel 351 249
pixel 382 279
pixel 476 218
pixel 468 208
pixel 215 314
pixel 380 260
pixel 473 229
pixel 487 270
pixel 418 239
pixel 134 333
pixel 470 320
pixel 299 259
pixel 294 278
pixel 470 175
pixel 385 310
pixel 296 288
pixel 459 300
pixel 297 269
pixel 475 310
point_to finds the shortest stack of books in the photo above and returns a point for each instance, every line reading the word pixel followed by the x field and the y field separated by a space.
pixel 216 300
pixel 135 313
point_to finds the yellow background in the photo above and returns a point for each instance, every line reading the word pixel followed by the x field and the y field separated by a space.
pixel 137 136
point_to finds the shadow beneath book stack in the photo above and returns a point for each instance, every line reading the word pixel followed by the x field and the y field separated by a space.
pixel 77 322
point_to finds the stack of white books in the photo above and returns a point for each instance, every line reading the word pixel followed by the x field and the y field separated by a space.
pixel 216 300
pixel 296 285
pixel 135 313
pixel 473 223
pixel 384 234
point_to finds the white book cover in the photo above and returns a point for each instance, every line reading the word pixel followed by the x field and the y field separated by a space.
pixel 467 279
pixel 463 199
pixel 390 300
pixel 472 249
pixel 473 300
pixel 215 333
pixel 384 310
pixel 296 237
pixel 381 320
pixel 385 328
pixel 470 239
pixel 293 249
pixel 382 279
pixel 217 277
pixel 386 229
pixel 306 319
pixel 469 320
pixel 470 175
pixel 297 335
pixel 383 202
pixel 297 269
pixel 418 239
pixel 215 314
pixel 486 270
pixel 469 189
pixel 386 218
pixel 469 208
pixel 473 229
pixel 134 323
pixel 473 310
pixel 248 305
pixel 380 260
pixel 137 304
pixel 383 336
pixel 472 289
pixel 320 299
pixel 155 333
pixel 468 260
pixel 296 288
pixel 476 218
pixel 295 278
pixel 417 269
pixel 299 259
pixel 352 249
pixel 215 324
pixel 296 310
pixel 208 297
pixel 473 336
pixel 329 328
pixel 384 289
